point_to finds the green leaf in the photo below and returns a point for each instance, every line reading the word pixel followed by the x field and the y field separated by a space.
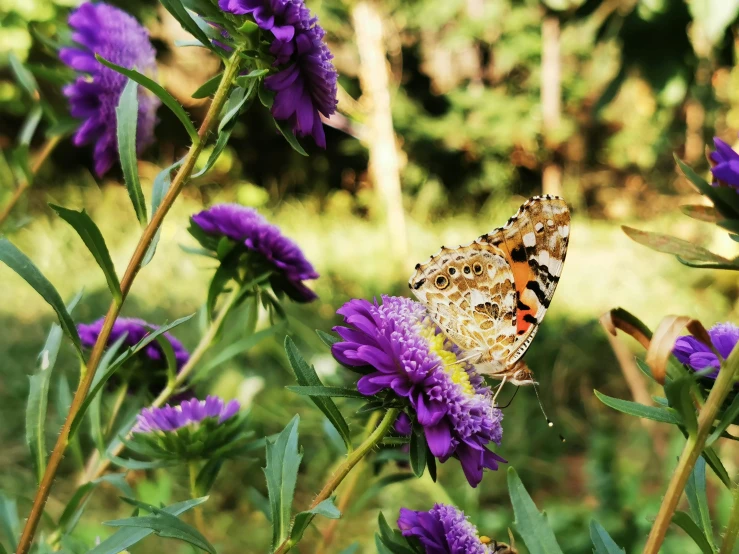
pixel 168 526
pixel 209 88
pixel 531 525
pixel 159 190
pixel 287 132
pixel 236 101
pixel 179 12
pixel 326 391
pixel 695 490
pixel 207 475
pixel 389 540
pixel 664 415
pixel 23 266
pixel 128 536
pixel 38 397
pixel 701 213
pixel 93 239
pixel 602 541
pixel 673 245
pixel 159 91
pixel 306 376
pixel 327 338
pixel 303 519
pixel 266 97
pixel 102 377
pixel 678 394
pixel 281 471
pixel 30 125
pixel 126 116
pixel 76 505
pixel 417 452
pixel 682 520
pixel 23 76
pixel 720 196
pixel 245 80
pixel 9 522
pixel 714 462
pixel 727 418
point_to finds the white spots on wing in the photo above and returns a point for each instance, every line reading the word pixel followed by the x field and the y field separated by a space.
pixel 550 222
pixel 564 231
pixel 539 227
pixel 476 297
pixel 542 258
pixel 529 240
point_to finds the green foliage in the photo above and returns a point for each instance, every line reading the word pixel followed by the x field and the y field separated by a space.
pixel 126 117
pixel 531 525
pixel 602 541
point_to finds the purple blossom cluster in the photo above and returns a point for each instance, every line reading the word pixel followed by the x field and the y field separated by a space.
pixel 305 82
pixel 247 227
pixel 442 530
pixel 189 413
pixel 725 162
pixel 449 400
pixel 116 36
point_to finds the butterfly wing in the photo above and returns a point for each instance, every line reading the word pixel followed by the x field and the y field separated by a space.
pixel 534 242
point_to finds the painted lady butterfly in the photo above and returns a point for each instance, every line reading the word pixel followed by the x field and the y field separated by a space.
pixel 490 296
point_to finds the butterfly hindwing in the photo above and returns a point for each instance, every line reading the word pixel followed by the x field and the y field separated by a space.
pixel 490 296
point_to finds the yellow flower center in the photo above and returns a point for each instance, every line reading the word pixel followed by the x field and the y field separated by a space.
pixel 449 363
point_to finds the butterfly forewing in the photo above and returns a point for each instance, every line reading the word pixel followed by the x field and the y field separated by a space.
pixel 490 296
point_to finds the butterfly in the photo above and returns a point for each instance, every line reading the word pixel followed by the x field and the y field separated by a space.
pixel 490 296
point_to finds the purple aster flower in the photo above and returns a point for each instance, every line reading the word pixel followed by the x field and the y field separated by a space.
pixel 246 226
pixel 698 356
pixel 136 330
pixel 305 84
pixel 442 530
pixel 116 36
pixel 190 412
pixel 725 164
pixel 411 357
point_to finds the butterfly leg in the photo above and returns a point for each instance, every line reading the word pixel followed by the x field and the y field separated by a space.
pixel 497 392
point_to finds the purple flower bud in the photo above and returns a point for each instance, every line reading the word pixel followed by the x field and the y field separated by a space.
pixel 442 530
pixel 698 356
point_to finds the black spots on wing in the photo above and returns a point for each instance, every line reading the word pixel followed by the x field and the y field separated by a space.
pixel 488 308
pixel 521 331
pixel 452 271
pixel 459 258
pixel 418 266
pixel 483 238
pixel 518 254
pixel 521 306
pixel 528 318
pixel 534 287
pixel 418 284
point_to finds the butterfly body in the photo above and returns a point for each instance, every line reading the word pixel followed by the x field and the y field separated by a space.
pixel 490 296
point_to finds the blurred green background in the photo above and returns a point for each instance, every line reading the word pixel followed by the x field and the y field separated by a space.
pixel 491 101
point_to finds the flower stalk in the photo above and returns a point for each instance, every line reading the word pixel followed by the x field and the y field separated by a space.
pixel 192 468
pixel 345 468
pixel 134 265
pixel 693 447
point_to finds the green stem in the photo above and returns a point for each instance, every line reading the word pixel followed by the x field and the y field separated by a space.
pixel 117 405
pixel 343 470
pixel 95 467
pixel 134 265
pixel 732 529
pixel 193 470
pixel 723 385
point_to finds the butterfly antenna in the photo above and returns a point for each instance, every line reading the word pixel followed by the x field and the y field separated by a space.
pixel 550 423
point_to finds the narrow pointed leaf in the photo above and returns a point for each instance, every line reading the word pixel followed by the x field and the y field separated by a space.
pixel 307 377
pixel 655 413
pixel 303 519
pixel 159 91
pixel 695 490
pixel 682 520
pixel 127 537
pixel 9 522
pixel 673 245
pixel 126 117
pixel 326 391
pixel 602 541
pixel 23 266
pixel 287 132
pixel 327 338
pixel 417 452
pixel 281 472
pixel 530 523
pixel 93 239
pixel 24 77
pixel 181 14
pixel 209 88
pixel 727 418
